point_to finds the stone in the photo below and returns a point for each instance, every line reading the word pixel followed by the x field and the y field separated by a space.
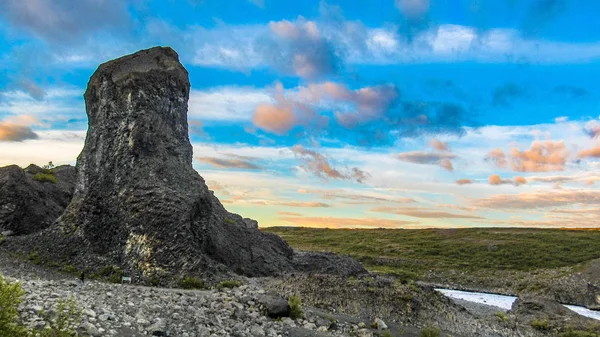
pixel 29 206
pixel 159 328
pixel 90 329
pixel 275 306
pixel 380 324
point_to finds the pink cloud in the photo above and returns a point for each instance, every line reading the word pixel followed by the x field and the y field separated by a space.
pixel 319 165
pixel 428 158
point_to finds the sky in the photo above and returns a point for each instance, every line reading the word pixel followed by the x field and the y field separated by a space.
pixel 340 114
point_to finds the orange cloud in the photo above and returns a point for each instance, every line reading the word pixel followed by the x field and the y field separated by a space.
pixel 497 157
pixel 424 213
pixel 590 153
pixel 353 197
pixel 495 179
pixel 317 164
pixel 18 128
pixel 333 222
pixel 542 156
pixel 274 118
pixel 428 158
pixel 439 145
pixel 520 181
pixel 289 214
pixel 237 163
pixel 540 199
pixel 464 181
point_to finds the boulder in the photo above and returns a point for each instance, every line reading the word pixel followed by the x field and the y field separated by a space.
pixel 28 205
pixel 275 306
pixel 139 204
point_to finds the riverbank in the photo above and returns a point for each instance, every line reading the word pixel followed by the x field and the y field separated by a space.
pixel 562 264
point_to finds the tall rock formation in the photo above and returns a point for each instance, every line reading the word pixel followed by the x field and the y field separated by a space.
pixel 139 202
pixel 28 205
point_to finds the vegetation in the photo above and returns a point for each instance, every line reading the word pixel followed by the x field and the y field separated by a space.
pixel 45 177
pixel 35 258
pixel 47 174
pixel 387 333
pixel 191 283
pixel 229 284
pixel 11 295
pixel 540 324
pixel 410 253
pixel 112 273
pixel 66 322
pixel 295 307
pixel 502 316
pixel 430 331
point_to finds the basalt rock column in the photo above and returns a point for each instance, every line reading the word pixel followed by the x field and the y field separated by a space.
pixel 137 200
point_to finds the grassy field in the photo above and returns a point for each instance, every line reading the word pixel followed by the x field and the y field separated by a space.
pixel 412 252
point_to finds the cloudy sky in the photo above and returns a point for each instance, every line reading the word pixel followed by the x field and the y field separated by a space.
pixel 366 113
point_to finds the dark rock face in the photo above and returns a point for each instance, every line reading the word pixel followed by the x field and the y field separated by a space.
pixel 27 205
pixel 137 200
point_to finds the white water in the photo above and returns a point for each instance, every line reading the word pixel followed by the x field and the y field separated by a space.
pixel 505 302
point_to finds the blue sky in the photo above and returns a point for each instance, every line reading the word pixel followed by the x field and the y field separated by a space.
pixel 389 113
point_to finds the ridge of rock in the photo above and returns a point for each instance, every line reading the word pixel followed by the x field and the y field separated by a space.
pixel 27 205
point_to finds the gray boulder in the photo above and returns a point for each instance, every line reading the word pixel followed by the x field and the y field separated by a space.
pixel 275 306
pixel 28 205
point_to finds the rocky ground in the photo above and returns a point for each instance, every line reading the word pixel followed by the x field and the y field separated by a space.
pixel 129 310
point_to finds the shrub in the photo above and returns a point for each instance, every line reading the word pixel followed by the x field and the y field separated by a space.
pixel 11 295
pixel 540 324
pixel 387 333
pixel 578 333
pixel 45 177
pixel 34 257
pixel 112 273
pixel 430 331
pixel 501 315
pixel 70 269
pixel 229 284
pixel 295 307
pixel 67 320
pixel 191 283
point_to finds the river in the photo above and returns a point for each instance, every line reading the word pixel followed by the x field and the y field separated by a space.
pixel 505 302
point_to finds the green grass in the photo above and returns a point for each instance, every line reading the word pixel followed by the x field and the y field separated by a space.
pixel 411 253
pixel 295 307
pixel 540 324
pixel 430 331
pixel 45 177
pixel 191 283
pixel 229 284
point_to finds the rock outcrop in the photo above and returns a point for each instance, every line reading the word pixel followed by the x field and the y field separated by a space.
pixel 139 204
pixel 28 205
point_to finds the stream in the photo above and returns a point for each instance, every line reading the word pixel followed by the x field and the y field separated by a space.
pixel 505 302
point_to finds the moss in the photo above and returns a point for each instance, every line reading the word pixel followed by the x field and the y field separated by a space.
pixel 540 324
pixel 501 315
pixel 229 284
pixel 430 331
pixel 229 221
pixel 70 269
pixel 191 283
pixel 45 177
pixel 35 258
pixel 295 307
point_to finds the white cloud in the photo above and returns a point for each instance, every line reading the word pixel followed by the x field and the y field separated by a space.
pixel 226 103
